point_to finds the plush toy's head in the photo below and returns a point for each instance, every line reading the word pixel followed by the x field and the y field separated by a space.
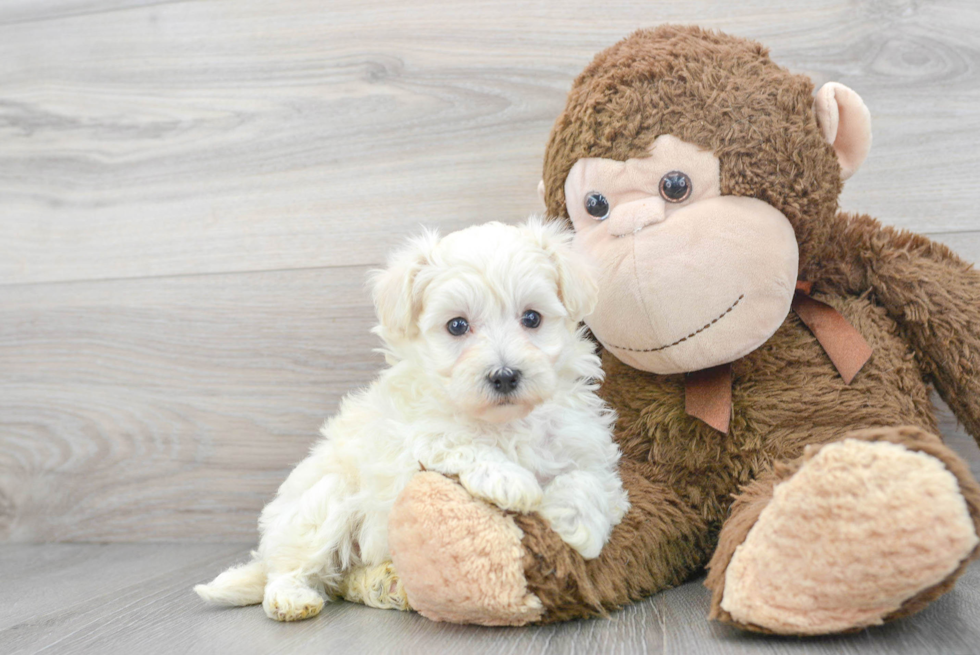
pixel 699 177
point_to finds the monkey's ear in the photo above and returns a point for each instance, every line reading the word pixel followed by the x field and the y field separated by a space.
pixel 846 124
pixel 577 288
pixel 541 191
pixel 397 291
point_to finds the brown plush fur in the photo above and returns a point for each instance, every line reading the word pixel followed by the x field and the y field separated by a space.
pixel 659 541
pixel 914 301
pixel 719 92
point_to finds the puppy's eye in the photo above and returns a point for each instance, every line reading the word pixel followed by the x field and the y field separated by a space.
pixel 531 319
pixel 675 186
pixel 597 206
pixel 458 326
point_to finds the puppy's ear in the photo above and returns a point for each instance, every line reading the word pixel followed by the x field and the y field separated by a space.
pixel 576 284
pixel 396 290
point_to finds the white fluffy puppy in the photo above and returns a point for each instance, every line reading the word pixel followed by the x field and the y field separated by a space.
pixel 490 378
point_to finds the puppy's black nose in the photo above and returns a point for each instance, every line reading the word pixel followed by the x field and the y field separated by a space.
pixel 504 380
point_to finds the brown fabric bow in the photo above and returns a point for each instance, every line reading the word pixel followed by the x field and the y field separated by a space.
pixel 708 393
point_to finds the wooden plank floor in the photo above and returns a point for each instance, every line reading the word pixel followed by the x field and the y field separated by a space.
pixel 136 598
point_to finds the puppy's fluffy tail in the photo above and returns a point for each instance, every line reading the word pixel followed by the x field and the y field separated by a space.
pixel 239 585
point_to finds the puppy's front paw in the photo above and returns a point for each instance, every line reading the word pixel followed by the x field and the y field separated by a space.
pixel 582 511
pixel 508 487
pixel 290 601
pixel 568 522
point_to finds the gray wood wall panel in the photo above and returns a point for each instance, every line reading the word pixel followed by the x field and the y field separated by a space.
pixel 191 194
pixel 175 138
pixel 169 408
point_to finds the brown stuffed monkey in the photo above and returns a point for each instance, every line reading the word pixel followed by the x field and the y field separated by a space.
pixel 768 357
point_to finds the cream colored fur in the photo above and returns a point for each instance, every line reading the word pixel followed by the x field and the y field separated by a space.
pixel 547 447
pixel 375 586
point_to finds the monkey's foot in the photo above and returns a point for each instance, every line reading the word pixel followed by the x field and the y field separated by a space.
pixel 460 559
pixel 375 586
pixel 865 530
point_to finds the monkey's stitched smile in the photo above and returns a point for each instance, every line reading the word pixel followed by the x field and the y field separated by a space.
pixel 681 340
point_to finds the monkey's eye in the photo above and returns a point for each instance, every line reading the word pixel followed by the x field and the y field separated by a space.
pixel 597 206
pixel 531 319
pixel 458 326
pixel 675 187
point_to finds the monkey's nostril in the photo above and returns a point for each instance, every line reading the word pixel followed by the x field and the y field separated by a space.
pixel 504 380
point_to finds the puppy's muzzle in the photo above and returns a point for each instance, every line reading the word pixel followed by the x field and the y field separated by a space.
pixel 504 380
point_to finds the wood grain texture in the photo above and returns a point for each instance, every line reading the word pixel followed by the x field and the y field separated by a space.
pixel 169 408
pixel 79 598
pixel 191 193
pixel 148 139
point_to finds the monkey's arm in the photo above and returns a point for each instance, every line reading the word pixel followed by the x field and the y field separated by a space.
pixel 464 561
pixel 934 296
pixel 659 544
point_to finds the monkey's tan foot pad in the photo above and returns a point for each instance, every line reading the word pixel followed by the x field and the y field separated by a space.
pixel 460 559
pixel 864 531
pixel 375 586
